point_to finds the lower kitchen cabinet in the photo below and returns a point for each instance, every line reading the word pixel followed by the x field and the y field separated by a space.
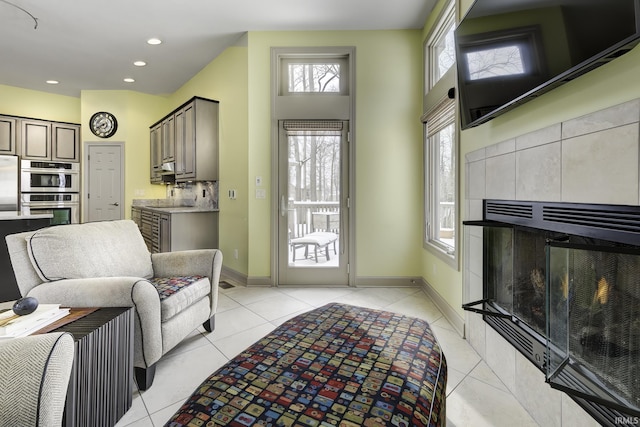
pixel 171 229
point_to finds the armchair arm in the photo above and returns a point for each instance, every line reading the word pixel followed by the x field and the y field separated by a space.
pixel 113 292
pixel 202 262
pixel 34 373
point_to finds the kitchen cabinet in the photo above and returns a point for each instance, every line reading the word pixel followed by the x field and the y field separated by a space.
pixel 156 154
pixel 8 135
pixel 189 137
pixel 45 140
pixel 176 229
pixel 197 141
pixel 168 139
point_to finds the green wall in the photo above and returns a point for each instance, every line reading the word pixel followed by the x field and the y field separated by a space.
pixel 388 166
pixel 16 101
pixel 225 80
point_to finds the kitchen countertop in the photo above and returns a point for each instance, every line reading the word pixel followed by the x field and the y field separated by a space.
pixel 17 215
pixel 177 209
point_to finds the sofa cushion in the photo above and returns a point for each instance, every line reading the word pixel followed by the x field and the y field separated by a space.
pixel 178 293
pixel 94 249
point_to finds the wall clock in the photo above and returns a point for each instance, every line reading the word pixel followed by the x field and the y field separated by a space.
pixel 103 124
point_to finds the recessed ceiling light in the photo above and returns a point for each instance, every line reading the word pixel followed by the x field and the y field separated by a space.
pixel 52 82
pixel 129 80
pixel 139 63
pixel 154 41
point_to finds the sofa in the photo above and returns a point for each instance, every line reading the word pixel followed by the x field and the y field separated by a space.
pixel 34 373
pixel 107 264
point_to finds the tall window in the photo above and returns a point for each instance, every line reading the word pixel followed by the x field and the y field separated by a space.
pixel 440 178
pixel 440 142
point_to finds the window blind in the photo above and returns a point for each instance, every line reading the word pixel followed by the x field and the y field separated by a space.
pixel 439 117
pixel 306 125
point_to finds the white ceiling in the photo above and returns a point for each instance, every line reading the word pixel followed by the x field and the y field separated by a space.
pixel 92 44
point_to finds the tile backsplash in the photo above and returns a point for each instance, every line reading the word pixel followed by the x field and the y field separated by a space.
pixel 202 194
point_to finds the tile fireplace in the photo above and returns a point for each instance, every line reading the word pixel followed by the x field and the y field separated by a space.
pixel 561 283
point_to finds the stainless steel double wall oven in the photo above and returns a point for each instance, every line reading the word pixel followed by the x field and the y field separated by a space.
pixel 51 187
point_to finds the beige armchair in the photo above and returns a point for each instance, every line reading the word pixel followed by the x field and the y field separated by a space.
pixel 107 264
pixel 34 373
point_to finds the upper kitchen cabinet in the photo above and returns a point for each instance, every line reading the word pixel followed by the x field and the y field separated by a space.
pixel 168 139
pixel 44 140
pixel 197 141
pixel 65 142
pixel 8 135
pixel 156 153
pixel 194 128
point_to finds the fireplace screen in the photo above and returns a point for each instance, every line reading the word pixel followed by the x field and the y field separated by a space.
pixel 515 273
pixel 594 323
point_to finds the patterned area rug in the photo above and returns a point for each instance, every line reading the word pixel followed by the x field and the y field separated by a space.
pixel 338 365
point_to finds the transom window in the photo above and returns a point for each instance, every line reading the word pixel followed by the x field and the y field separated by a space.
pixel 440 52
pixel 314 76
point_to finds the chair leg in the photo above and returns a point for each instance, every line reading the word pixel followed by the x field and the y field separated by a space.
pixel 210 324
pixel 144 377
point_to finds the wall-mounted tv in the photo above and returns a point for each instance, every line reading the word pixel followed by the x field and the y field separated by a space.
pixel 510 51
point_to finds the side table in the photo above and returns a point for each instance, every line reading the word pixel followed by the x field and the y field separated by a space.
pixel 101 384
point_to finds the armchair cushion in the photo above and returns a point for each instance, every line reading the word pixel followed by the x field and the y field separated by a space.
pixel 178 293
pixel 71 252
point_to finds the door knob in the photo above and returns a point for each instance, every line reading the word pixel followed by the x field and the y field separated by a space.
pixel 115 204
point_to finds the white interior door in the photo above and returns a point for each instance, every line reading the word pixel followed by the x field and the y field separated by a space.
pixel 105 184
pixel 313 203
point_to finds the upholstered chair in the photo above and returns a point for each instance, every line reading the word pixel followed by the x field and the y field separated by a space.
pixel 107 264
pixel 34 377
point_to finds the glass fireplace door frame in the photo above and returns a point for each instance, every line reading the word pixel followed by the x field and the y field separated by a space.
pixel 564 369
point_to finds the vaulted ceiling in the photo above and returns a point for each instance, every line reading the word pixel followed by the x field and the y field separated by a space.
pixel 92 45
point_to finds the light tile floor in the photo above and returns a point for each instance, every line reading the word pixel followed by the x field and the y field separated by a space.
pixel 475 395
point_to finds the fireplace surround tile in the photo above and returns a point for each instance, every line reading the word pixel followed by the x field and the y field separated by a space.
pixel 618 115
pixel 531 390
pixel 601 167
pixel 476 179
pixel 538 173
pixel 504 147
pixel 476 328
pixel 539 137
pixel 501 177
pixel 500 355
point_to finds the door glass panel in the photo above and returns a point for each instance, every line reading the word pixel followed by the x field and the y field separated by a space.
pixel 313 198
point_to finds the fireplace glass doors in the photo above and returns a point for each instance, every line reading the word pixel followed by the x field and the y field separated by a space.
pixel 594 323
pixel 515 273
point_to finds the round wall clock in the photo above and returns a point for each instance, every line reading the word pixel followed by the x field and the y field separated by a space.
pixel 103 124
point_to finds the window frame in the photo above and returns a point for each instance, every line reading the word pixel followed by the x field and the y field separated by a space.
pixel 439 106
pixel 283 70
pixel 446 20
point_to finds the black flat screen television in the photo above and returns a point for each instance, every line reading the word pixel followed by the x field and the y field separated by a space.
pixel 510 51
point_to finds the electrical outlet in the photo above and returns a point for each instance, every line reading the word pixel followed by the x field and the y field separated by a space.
pixel 235 253
pixel 258 181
